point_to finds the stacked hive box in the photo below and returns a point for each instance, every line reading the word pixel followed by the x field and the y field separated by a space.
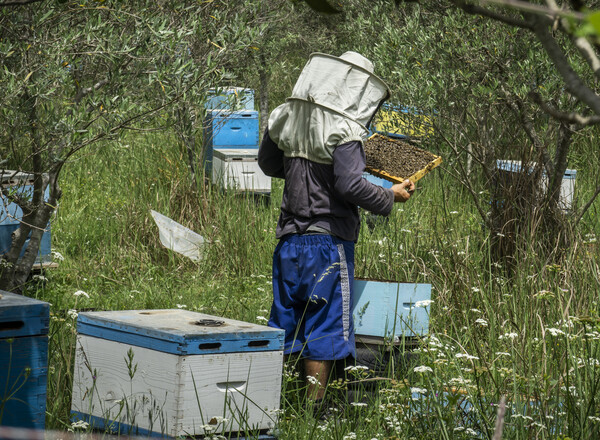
pixel 23 361
pixel 175 373
pixel 11 214
pixel 389 317
pixel 509 171
pixel 231 140
pixel 389 310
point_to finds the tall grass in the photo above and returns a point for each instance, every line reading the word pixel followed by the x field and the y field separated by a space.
pixel 532 337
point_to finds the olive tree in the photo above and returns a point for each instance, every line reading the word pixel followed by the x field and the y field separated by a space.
pixel 501 80
pixel 78 74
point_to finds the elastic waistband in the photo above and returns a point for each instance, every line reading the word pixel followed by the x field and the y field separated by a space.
pixel 313 238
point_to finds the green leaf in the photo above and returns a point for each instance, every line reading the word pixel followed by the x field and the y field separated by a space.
pixel 594 20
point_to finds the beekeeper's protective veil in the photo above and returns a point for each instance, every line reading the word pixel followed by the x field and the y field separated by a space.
pixel 333 102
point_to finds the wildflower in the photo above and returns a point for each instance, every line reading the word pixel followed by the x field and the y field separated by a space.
pixel 262 318
pixel 470 431
pixel 207 428
pixel 181 306
pixel 57 256
pixel 594 419
pixel 542 294
pixel 555 331
pixel 453 212
pixel 417 390
pixel 350 436
pixel 355 368
pixel 72 313
pixel 459 381
pixel 466 356
pixel 81 293
pixel 80 424
pixel 39 278
pixel 476 310
pixel 358 404
pixel 422 369
pixel 482 322
pixel 501 353
pixel 508 335
pixel 528 418
pixel 313 380
pixel 423 303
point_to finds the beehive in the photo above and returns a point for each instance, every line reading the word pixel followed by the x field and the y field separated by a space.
pixel 11 214
pixel 23 360
pixel 175 372
pixel 224 129
pixel 230 98
pixel 239 170
pixel 390 310
pixel 509 171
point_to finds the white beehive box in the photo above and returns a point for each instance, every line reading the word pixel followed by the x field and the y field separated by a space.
pixel 175 373
pixel 567 186
pixel 238 169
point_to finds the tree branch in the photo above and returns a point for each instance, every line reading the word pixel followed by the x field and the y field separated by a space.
pixel 18 2
pixel 82 93
pixel 573 82
pixel 572 118
pixel 478 10
pixel 588 53
pixel 586 207
pixel 551 12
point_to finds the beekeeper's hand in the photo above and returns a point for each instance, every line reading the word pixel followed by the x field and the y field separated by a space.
pixel 403 191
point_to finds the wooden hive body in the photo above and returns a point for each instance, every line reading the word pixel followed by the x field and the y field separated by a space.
pixel 387 310
pixel 24 326
pixel 159 372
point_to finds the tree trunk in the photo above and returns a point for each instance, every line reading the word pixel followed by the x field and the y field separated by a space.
pixel 263 94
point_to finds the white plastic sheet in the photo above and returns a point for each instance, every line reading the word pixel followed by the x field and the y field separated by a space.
pixel 178 238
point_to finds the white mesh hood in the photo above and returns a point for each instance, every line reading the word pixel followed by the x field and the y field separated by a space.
pixel 332 102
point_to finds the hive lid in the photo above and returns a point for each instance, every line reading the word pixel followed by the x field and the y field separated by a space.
pixel 242 154
pixel 179 331
pixel 22 316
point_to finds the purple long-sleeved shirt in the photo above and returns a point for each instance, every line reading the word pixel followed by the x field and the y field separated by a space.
pixel 323 197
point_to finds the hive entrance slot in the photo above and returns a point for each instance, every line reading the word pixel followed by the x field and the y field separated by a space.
pixel 262 343
pixel 210 346
pixel 11 325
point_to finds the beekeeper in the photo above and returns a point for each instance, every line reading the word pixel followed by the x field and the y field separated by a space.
pixel 315 142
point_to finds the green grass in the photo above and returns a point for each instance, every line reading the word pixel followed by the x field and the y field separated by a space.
pixel 532 337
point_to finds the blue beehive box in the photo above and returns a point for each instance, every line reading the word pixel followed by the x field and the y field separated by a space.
pixel 390 310
pixel 23 360
pixel 175 373
pixel 229 130
pixel 377 180
pixel 11 214
pixel 230 98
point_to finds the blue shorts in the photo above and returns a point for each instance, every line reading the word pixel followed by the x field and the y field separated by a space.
pixel 313 279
